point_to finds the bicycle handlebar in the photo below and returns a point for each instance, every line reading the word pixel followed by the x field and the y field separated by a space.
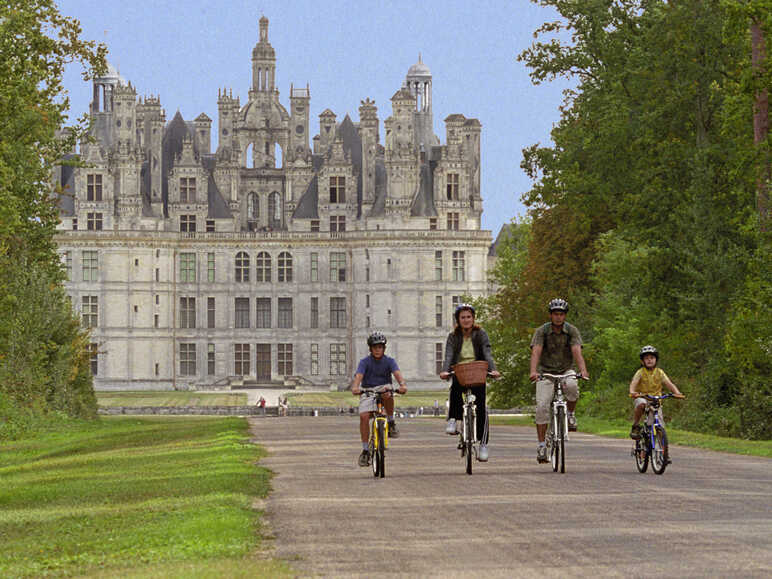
pixel 372 391
pixel 653 397
pixel 571 374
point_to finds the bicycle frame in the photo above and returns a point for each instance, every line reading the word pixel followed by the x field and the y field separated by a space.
pixel 649 444
pixel 557 431
pixel 469 440
pixel 379 432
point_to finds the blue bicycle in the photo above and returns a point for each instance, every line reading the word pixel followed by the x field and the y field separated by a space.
pixel 652 445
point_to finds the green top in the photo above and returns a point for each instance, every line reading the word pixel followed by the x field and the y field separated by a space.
pixel 556 357
pixel 467 352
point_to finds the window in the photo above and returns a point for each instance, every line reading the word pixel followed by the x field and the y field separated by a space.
pixel 187 312
pixel 438 311
pixel 93 187
pixel 314 225
pixel 90 266
pixel 367 273
pixel 187 267
pixel 337 223
pixel 241 319
pixel 74 223
pixel 437 266
pixel 241 360
pixel 93 351
pixel 455 301
pixel 314 312
pixel 337 359
pixel 314 267
pixel 367 300
pixel 438 359
pixel 433 223
pixel 337 189
pixel 187 359
pixel 210 225
pixel 285 313
pixel 187 223
pixel 210 313
pixel 274 211
pixel 242 267
pixel 284 359
pixel 263 361
pixel 253 211
pixel 284 267
pixel 452 187
pixel 94 221
pixel 210 359
pixel 263 312
pixel 210 267
pixel 459 266
pixel 90 311
pixel 338 266
pixel 337 312
pixel 453 221
pixel 314 359
pixel 263 267
pixel 67 259
pixel 155 320
pixel 188 190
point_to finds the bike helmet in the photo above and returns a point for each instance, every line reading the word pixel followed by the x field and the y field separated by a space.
pixel 460 308
pixel 376 338
pixel 558 304
pixel 648 350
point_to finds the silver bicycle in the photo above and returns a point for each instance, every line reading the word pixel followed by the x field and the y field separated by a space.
pixel 557 431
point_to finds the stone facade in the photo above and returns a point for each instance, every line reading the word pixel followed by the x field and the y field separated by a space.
pixel 270 259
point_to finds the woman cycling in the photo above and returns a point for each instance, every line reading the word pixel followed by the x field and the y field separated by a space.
pixel 466 343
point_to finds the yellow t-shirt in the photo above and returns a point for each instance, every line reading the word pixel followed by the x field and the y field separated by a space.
pixel 651 381
pixel 467 352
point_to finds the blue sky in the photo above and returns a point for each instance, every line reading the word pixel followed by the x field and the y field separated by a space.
pixel 345 51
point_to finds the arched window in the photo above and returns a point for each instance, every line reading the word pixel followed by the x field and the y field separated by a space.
pixel 285 266
pixel 242 266
pixel 249 156
pixel 274 211
pixel 253 211
pixel 263 267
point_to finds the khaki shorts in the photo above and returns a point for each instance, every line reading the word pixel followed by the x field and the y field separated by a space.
pixel 544 392
pixel 644 417
pixel 367 401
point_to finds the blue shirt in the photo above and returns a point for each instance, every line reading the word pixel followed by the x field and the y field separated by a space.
pixel 376 372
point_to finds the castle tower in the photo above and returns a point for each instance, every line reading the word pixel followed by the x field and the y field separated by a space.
pixel 263 63
pixel 298 135
pixel 419 83
pixel 368 130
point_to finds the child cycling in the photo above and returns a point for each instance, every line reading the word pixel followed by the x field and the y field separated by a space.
pixel 374 372
pixel 648 380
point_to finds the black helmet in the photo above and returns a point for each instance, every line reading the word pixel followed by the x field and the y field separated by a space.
pixel 460 308
pixel 376 338
pixel 558 304
pixel 648 350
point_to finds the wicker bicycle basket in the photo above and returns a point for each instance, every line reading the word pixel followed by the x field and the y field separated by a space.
pixel 472 373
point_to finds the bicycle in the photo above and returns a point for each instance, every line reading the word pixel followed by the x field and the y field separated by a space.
pixel 557 431
pixel 652 444
pixel 379 431
pixel 469 443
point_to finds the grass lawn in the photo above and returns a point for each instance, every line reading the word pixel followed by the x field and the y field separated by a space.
pixel 621 429
pixel 134 497
pixel 346 399
pixel 171 398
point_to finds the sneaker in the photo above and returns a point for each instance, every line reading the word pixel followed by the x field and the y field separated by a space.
pixel 541 454
pixel 571 423
pixel 364 458
pixel 635 432
pixel 451 427
pixel 393 430
pixel 482 456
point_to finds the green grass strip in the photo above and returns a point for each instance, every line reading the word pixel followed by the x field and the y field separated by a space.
pixel 124 496
pixel 171 398
pixel 621 429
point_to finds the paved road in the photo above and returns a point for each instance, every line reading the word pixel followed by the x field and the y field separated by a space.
pixel 708 516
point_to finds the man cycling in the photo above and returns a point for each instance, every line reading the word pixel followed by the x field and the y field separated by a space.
pixel 374 372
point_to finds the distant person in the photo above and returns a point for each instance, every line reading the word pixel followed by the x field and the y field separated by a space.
pixel 648 380
pixel 436 407
pixel 374 373
pixel 555 348
pixel 261 404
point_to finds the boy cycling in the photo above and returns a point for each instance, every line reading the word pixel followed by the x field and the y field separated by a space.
pixel 648 380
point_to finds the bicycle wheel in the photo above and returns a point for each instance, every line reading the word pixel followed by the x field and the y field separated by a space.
pixel 560 440
pixel 641 454
pixel 470 424
pixel 659 451
pixel 553 446
pixel 380 451
pixel 373 450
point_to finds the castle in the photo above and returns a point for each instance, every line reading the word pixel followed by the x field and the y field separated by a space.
pixel 270 259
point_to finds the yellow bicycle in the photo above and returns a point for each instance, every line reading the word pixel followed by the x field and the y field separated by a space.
pixel 379 431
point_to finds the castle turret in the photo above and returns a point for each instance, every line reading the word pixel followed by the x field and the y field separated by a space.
pixel 419 83
pixel 298 135
pixel 263 64
pixel 368 131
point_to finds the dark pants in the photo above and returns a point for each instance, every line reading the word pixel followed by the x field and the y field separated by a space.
pixel 456 409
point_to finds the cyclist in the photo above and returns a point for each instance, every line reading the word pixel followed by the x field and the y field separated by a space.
pixel 556 347
pixel 466 343
pixel 648 380
pixel 375 371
